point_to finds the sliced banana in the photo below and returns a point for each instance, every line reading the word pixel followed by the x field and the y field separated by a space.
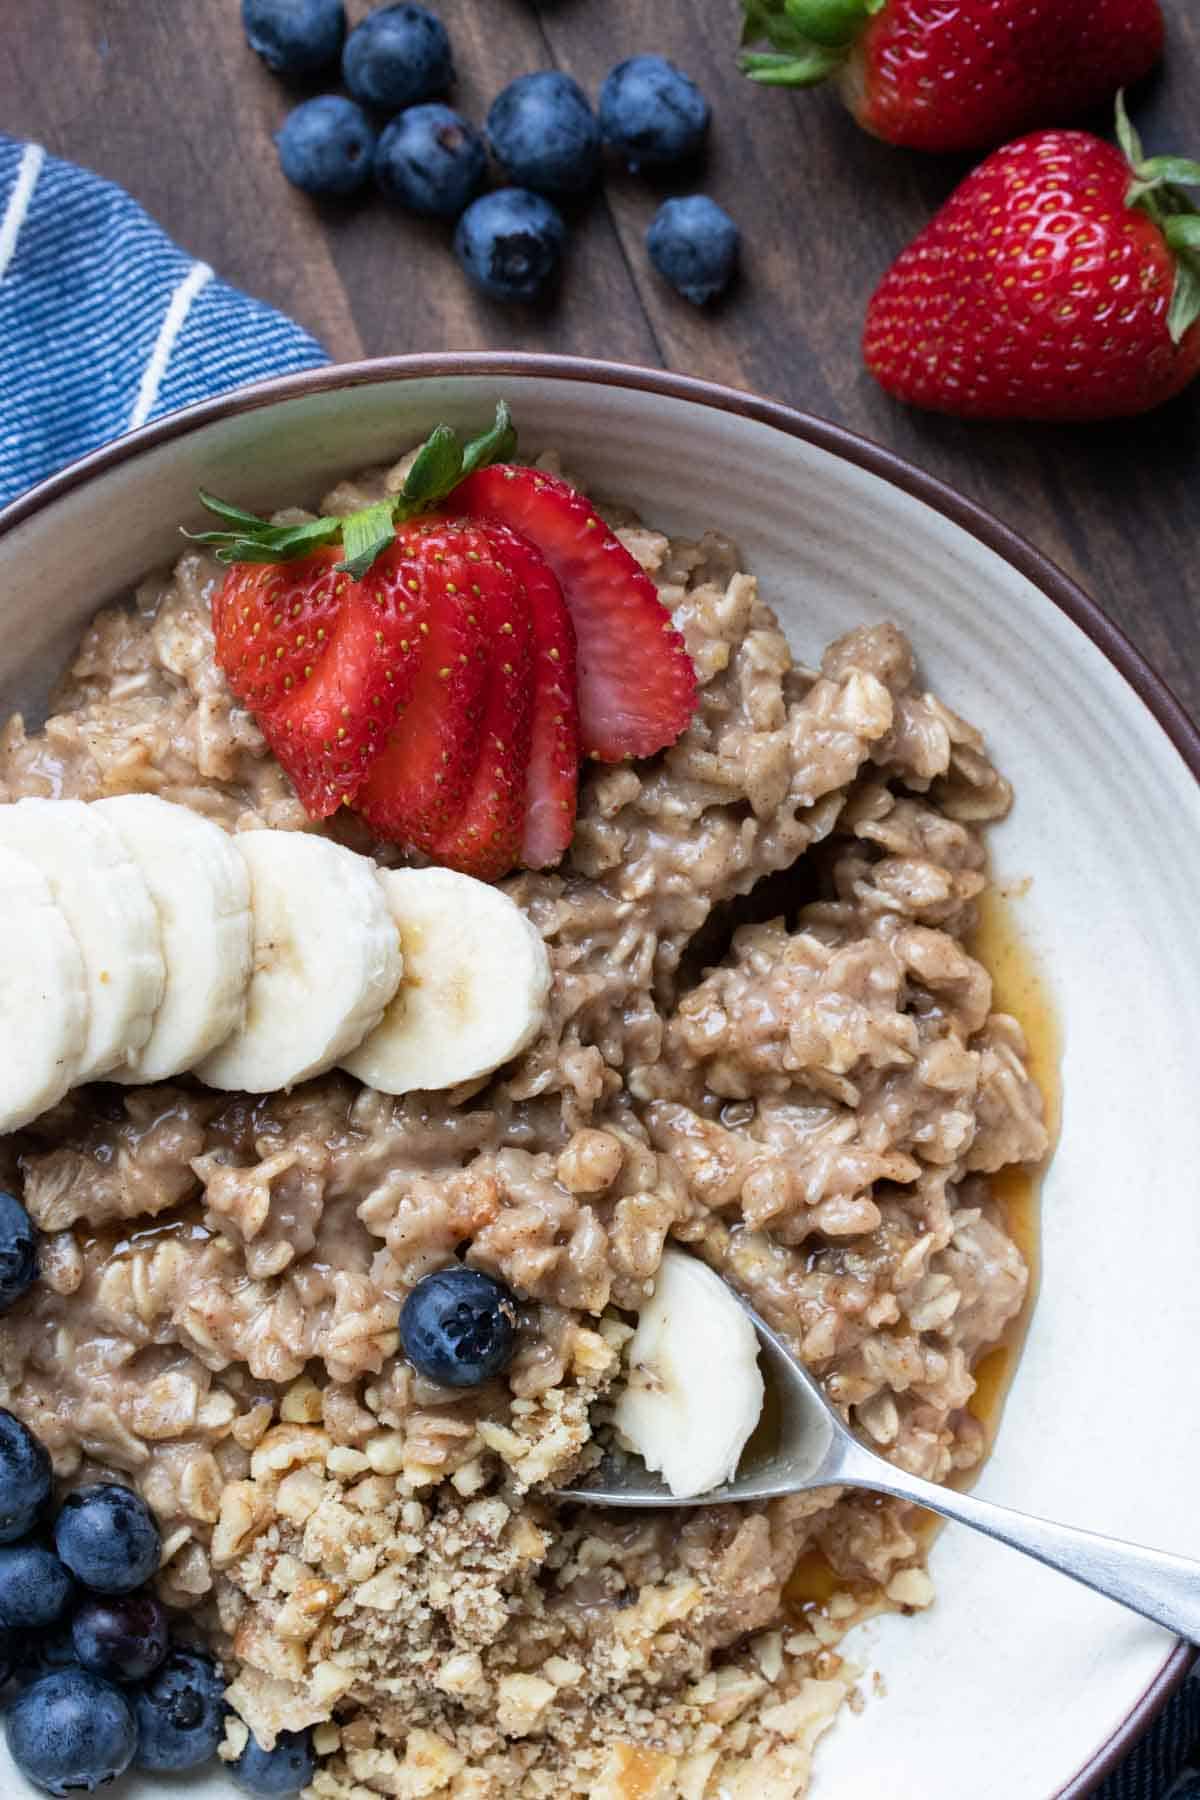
pixel 326 962
pixel 694 1392
pixel 43 995
pixel 107 904
pixel 476 980
pixel 201 893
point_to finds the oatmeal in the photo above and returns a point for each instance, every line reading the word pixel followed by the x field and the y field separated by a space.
pixel 765 1041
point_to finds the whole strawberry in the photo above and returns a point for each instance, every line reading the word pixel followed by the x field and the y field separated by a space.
pixel 956 74
pixel 1061 280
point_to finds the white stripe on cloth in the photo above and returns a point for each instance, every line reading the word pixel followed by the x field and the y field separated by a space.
pixel 196 278
pixel 18 202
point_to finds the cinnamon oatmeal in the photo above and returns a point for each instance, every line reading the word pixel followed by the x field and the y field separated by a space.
pixel 809 1088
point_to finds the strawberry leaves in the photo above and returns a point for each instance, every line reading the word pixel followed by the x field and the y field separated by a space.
pixel 438 467
pixel 1155 190
pixel 810 38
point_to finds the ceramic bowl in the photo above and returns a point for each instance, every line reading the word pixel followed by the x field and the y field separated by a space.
pixel 1016 1685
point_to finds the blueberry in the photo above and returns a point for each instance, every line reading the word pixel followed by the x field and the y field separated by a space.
pixel 121 1636
pixel 9 1656
pixel 25 1477
pixel 431 160
pixel 35 1589
pixel 53 1649
pixel 180 1711
pixel 397 56
pixel 107 1537
pixel 326 146
pixel 693 243
pixel 18 1251
pixel 544 135
pixel 458 1327
pixel 70 1732
pixel 651 112
pixel 295 37
pixel 510 243
pixel 284 1770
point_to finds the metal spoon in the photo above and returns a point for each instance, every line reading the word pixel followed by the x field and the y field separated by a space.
pixel 814 1449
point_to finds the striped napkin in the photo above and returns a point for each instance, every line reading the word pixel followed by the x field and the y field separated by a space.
pixel 106 324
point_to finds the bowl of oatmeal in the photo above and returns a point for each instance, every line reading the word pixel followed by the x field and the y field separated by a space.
pixel 820 975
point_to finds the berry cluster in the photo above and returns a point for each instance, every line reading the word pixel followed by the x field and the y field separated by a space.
pixel 541 135
pixel 95 1682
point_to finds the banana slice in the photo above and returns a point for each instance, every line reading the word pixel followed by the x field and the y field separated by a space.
pixel 107 904
pixel 326 962
pixel 43 995
pixel 694 1392
pixel 201 894
pixel 476 980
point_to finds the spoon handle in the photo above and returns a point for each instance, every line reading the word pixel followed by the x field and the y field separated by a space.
pixel 1155 1583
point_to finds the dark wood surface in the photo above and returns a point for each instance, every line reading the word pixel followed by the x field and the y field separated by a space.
pixel 164 97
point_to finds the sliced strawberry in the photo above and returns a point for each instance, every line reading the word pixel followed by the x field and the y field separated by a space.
pixel 331 728
pixel 485 841
pixel 271 623
pixel 637 686
pixel 416 789
pixel 552 784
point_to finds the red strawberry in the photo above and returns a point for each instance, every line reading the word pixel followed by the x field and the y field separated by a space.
pixel 485 841
pixel 336 721
pixel 416 789
pixel 1055 283
pixel 637 686
pixel 271 623
pixel 957 74
pixel 552 785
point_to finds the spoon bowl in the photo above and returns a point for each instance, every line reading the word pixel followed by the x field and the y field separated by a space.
pixel 814 1448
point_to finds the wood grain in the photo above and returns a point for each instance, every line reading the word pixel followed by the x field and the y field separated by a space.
pixel 164 97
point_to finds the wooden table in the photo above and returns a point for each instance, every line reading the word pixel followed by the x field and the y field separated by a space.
pixel 164 97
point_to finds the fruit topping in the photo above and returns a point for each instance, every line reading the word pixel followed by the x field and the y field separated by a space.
pixel 458 1327
pixel 122 1636
pixel 107 1537
pixel 18 1272
pixel 25 1477
pixel 276 1773
pixel 180 1711
pixel 476 980
pixel 637 686
pixel 461 661
pixel 694 1392
pixel 70 1732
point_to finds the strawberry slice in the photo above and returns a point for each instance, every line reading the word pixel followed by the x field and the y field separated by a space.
pixel 552 784
pixel 415 790
pixel 330 729
pixel 637 686
pixel 271 624
pixel 486 840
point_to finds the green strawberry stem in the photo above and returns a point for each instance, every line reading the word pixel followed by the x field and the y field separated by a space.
pixel 810 38
pixel 440 464
pixel 1155 190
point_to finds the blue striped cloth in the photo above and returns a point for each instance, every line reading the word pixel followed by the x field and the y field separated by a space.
pixel 106 324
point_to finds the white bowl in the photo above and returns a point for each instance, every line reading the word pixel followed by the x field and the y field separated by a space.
pixel 1017 1685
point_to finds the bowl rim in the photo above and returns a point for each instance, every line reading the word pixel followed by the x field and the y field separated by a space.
pixel 864 453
